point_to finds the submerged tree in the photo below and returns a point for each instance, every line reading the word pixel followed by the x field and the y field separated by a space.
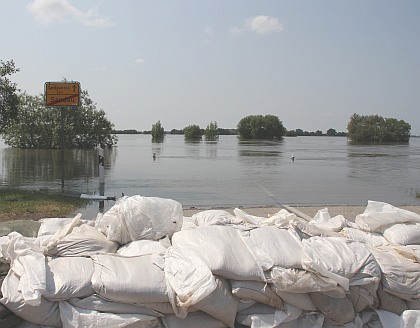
pixel 261 127
pixel 211 132
pixel 193 132
pixel 38 126
pixel 376 129
pixel 158 132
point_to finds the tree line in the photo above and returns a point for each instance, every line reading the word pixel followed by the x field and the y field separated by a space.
pixel 26 122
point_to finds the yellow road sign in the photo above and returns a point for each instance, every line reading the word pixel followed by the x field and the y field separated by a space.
pixel 62 94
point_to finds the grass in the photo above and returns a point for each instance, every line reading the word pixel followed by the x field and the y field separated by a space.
pixel 34 205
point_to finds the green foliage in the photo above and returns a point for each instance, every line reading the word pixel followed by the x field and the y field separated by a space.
pixel 37 126
pixel 331 132
pixel 211 131
pixel 158 132
pixel 8 96
pixel 376 129
pixel 193 132
pixel 261 127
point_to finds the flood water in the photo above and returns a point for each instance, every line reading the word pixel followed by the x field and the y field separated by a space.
pixel 228 172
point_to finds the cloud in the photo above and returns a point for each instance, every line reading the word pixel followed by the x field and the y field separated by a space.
pixel 50 11
pixel 139 61
pixel 260 25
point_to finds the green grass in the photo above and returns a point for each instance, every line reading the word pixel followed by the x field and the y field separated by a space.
pixel 24 204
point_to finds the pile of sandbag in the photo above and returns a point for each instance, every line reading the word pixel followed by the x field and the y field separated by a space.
pixel 143 264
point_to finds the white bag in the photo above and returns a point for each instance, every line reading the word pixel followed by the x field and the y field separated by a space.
pixel 68 277
pixel 72 316
pixel 129 279
pixel 223 250
pixel 137 217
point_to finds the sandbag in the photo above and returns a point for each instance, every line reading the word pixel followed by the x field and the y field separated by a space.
pixel 137 217
pixel 378 216
pixel 141 247
pixel 220 304
pixel 403 234
pixel 68 277
pixel 274 247
pixel 214 217
pixel 193 320
pixel 44 313
pixel 400 276
pixel 97 303
pixel 256 291
pixel 225 253
pixel 129 279
pixel 188 278
pixel 342 260
pixel 83 240
pixel 72 316
pixel 337 311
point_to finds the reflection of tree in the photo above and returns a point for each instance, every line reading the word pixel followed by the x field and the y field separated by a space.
pixel 39 168
pixel 211 148
pixel 259 148
pixel 193 148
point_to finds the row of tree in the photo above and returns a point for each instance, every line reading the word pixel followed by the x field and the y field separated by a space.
pixel 26 122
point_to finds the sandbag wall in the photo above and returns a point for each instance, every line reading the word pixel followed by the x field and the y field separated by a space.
pixel 142 264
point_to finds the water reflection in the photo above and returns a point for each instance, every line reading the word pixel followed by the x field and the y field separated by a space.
pixel 41 168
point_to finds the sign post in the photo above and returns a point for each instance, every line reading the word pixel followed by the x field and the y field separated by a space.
pixel 62 95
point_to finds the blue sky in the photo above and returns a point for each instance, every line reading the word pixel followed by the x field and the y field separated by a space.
pixel 311 63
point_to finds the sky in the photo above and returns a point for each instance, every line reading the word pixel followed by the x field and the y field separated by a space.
pixel 310 63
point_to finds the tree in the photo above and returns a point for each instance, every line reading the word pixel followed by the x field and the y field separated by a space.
pixel 331 132
pixel 211 132
pixel 37 126
pixel 193 132
pixel 8 94
pixel 158 132
pixel 376 129
pixel 261 127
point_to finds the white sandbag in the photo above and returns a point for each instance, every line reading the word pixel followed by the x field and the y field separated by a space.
pixel 68 277
pixel 400 275
pixel 391 303
pixel 263 316
pixel 323 220
pixel 299 281
pixel 28 262
pixel 274 247
pixel 281 219
pixel 49 226
pixel 45 312
pixel 223 250
pixel 83 240
pixel 388 319
pixel 368 238
pixel 137 217
pixel 129 279
pixel 403 234
pixel 364 296
pixel 214 217
pixel 379 215
pixel 97 303
pixel 256 291
pixel 410 319
pixel 193 320
pixel 342 260
pixel 300 300
pixel 188 223
pixel 141 247
pixel 410 252
pixel 188 277
pixel 72 316
pixel 337 311
pixel 220 304
pixel 306 230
